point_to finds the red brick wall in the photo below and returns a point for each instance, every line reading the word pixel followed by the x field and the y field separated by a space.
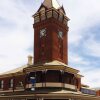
pixel 78 83
pixel 51 41
pixel 98 92
pixel 16 79
pixel 19 78
pixel 6 82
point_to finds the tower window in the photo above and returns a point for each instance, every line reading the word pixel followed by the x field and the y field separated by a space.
pixel 1 84
pixel 49 14
pixel 60 17
pixel 55 14
pixel 65 21
pixel 43 17
pixel 36 19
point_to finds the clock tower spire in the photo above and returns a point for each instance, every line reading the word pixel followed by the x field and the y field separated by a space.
pixel 51 3
pixel 50 33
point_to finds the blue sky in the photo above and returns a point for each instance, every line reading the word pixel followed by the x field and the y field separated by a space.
pixel 16 35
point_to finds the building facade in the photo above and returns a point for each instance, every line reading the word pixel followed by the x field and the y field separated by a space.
pixel 49 77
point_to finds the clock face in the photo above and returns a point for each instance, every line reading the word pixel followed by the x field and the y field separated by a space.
pixel 42 32
pixel 60 34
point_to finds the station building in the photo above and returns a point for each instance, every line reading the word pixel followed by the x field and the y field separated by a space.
pixel 48 77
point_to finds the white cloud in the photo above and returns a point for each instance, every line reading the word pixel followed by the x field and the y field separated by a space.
pixel 14 41
pixel 90 72
pixel 92 47
pixel 92 77
pixel 83 14
pixel 77 59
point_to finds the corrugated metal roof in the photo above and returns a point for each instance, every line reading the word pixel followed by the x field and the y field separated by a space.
pixel 55 62
pixel 20 69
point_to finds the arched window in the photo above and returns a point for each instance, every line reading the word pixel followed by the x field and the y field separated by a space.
pixel 39 77
pixel 1 84
pixel 11 83
pixel 53 76
pixel 68 78
pixel 42 12
pixel 60 41
pixel 28 77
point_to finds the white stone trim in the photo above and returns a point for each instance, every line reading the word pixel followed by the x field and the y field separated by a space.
pixel 28 86
pixel 19 90
pixel 39 85
pixel 70 86
pixel 53 84
pixel 6 91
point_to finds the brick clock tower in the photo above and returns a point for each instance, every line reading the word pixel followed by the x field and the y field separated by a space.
pixel 50 33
